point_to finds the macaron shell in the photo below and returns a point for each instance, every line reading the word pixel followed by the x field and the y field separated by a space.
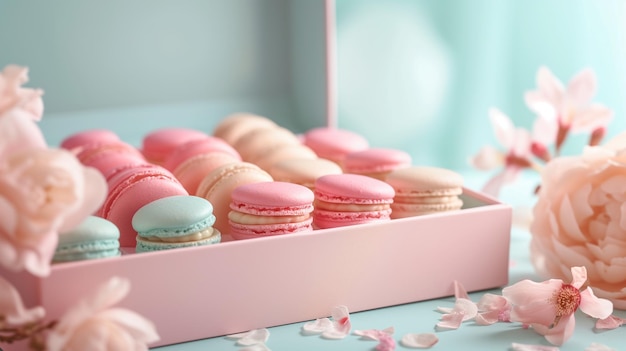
pixel 174 216
pixel 234 126
pixel 425 181
pixel 158 144
pixel 93 238
pixel 93 136
pixel 353 188
pixel 242 232
pixel 218 185
pixel 303 171
pixel 195 147
pixel 401 210
pixel 334 143
pixel 284 152
pixel 375 160
pixel 191 172
pixel 257 143
pixel 149 246
pixel 331 219
pixel 272 199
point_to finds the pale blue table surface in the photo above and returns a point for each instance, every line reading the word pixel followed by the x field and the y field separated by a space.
pixel 421 317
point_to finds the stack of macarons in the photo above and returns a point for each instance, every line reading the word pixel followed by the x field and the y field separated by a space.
pixel 174 222
pixel 270 208
pixel 349 199
pixel 423 190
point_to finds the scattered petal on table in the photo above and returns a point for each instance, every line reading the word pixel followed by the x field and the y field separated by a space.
pixel 459 291
pixel 419 341
pixel 528 347
pixel 252 337
pixel 374 334
pixel 598 347
pixel 611 322
pixel 257 347
pixel 317 326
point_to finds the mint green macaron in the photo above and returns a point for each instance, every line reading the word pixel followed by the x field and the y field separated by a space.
pixel 174 222
pixel 93 238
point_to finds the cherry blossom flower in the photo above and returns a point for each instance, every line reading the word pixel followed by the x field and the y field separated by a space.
pixel 336 328
pixel 549 306
pixel 93 324
pixel 517 154
pixel 43 192
pixel 574 109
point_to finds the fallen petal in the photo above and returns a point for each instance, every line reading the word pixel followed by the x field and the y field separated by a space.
pixel 386 343
pixel 451 321
pixel 252 337
pixel 598 347
pixel 374 334
pixel 317 326
pixel 419 341
pixel 257 347
pixel 530 347
pixel 611 322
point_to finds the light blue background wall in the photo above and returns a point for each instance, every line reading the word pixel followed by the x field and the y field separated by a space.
pixel 413 74
pixel 422 74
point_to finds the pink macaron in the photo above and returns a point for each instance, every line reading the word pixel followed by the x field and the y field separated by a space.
pixel 218 185
pixel 348 199
pixel 270 208
pixel 158 144
pixel 109 157
pixel 91 136
pixel 131 189
pixel 334 143
pixel 234 126
pixel 196 147
pixel 376 162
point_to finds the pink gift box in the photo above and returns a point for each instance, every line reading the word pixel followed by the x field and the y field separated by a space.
pixel 236 286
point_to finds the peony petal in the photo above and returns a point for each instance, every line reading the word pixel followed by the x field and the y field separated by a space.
pixel 598 347
pixel 594 306
pixel 137 326
pixel 568 222
pixel 611 322
pixel 579 276
pixel 530 347
pixel 419 341
pixel 12 307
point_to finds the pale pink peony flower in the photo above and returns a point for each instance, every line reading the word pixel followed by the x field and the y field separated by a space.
pixel 12 308
pixel 93 324
pixel 516 156
pixel 579 219
pixel 43 192
pixel 548 307
pixel 572 104
pixel 13 95
pixel 20 108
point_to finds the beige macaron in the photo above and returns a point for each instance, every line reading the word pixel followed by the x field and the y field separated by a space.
pixel 422 190
pixel 303 171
